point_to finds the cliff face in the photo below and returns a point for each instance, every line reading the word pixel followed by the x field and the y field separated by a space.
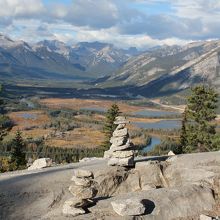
pixel 183 186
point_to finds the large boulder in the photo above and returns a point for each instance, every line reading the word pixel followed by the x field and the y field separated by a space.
pixel 41 163
pixel 194 168
pixel 131 184
pixel 128 207
pixel 109 179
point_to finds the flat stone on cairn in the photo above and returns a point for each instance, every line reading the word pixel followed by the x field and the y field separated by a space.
pixel 121 151
pixel 83 191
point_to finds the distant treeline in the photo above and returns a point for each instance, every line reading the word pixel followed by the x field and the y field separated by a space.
pixel 58 155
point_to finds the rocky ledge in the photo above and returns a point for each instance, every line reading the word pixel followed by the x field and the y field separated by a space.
pixel 173 187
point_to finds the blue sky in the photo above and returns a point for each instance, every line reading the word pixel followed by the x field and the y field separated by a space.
pixel 125 23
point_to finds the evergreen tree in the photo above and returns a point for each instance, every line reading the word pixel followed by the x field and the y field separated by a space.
pixel 201 112
pixel 18 148
pixel 109 125
pixel 2 130
pixel 183 139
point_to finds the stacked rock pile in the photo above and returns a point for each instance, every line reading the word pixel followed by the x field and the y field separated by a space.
pixel 121 152
pixel 83 191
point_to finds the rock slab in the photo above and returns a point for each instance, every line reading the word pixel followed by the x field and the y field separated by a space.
pixel 41 163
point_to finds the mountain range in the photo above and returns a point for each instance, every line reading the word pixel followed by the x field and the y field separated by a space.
pixel 155 72
pixel 169 69
pixel 56 60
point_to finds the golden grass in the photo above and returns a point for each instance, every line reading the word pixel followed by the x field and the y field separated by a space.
pixel 77 104
pixel 21 123
pixel 78 138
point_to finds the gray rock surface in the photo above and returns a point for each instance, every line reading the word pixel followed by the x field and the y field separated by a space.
pixel 173 203
pixel 128 207
pixel 205 217
pixel 41 194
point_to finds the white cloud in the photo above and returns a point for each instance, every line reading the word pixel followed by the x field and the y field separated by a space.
pixel 111 35
pixel 112 21
pixel 21 8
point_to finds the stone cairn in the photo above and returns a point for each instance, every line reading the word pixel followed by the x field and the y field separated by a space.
pixel 83 191
pixel 121 152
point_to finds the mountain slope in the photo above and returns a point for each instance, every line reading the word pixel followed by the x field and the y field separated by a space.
pixel 54 60
pixel 170 69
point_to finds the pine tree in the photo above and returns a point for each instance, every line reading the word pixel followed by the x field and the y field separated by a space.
pixel 18 154
pixel 109 125
pixel 2 130
pixel 183 139
pixel 200 114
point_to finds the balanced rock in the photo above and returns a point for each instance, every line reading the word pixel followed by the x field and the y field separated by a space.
pixel 86 182
pixel 124 162
pixel 70 210
pixel 128 207
pixel 120 126
pixel 83 192
pixel 120 133
pixel 126 146
pixel 123 154
pixel 108 154
pixel 83 173
pixel 120 120
pixel 121 151
pixel 77 202
pixel 118 140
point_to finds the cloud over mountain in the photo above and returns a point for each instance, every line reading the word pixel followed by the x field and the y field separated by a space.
pixel 126 22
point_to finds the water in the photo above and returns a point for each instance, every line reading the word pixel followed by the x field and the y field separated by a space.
pixel 163 124
pixel 29 116
pixel 152 113
pixel 154 141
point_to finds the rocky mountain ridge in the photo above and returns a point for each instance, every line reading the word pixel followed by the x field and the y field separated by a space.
pixel 167 70
pixel 159 71
pixel 54 59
